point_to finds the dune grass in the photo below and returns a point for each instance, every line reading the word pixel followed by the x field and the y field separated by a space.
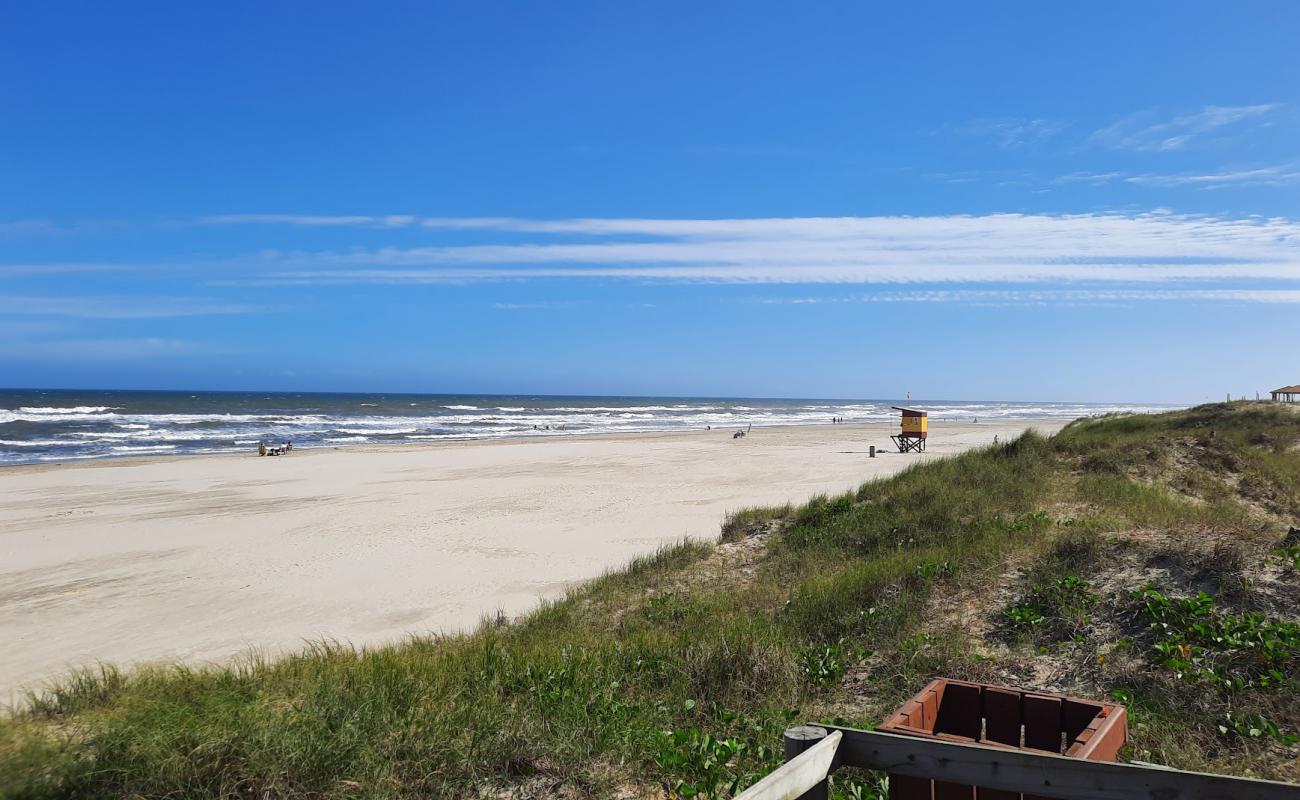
pixel 677 674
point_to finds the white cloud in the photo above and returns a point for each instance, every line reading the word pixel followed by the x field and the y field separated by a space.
pixel 15 329
pixel 1146 132
pixel 312 220
pixel 1092 178
pixel 1269 175
pixel 548 306
pixel 1279 175
pixel 1012 134
pixel 27 227
pixel 1056 297
pixel 118 307
pixel 64 268
pixel 1012 248
pixel 1157 247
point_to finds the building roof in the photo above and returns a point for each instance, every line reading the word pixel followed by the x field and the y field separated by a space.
pixel 916 412
pixel 1287 390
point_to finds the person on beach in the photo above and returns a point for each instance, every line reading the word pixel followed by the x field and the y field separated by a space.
pixel 261 448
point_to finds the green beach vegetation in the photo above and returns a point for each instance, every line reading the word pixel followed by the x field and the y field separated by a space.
pixel 1145 558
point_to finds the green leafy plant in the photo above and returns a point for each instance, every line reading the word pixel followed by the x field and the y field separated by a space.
pixel 826 664
pixel 869 786
pixel 1233 651
pixel 702 763
pixel 1024 616
pixel 1053 607
pixel 932 568
pixel 1289 555
pixel 1256 726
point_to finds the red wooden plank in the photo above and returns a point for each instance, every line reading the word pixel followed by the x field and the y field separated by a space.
pixel 1002 716
pixel 1080 742
pixel 929 709
pixel 1001 726
pixel 1075 717
pixel 1109 736
pixel 959 713
pixel 912 715
pixel 1042 717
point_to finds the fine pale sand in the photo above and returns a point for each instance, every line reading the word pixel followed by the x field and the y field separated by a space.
pixel 200 558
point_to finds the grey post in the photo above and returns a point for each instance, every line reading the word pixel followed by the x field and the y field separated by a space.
pixel 799 739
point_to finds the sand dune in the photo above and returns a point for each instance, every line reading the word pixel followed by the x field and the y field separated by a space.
pixel 200 558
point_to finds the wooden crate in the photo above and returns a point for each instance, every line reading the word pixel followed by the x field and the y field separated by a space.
pixel 996 716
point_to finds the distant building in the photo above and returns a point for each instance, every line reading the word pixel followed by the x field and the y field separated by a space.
pixel 1287 394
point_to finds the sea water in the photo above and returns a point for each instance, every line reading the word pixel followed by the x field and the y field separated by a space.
pixel 61 425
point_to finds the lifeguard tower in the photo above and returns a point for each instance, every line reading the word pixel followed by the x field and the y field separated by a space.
pixel 916 427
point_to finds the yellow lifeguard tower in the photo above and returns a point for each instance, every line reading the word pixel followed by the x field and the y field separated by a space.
pixel 916 427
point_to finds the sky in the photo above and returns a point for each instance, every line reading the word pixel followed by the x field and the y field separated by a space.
pixel 1006 201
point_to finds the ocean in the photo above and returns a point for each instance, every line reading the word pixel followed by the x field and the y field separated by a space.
pixel 63 425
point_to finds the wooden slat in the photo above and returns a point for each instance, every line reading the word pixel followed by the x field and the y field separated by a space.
pixel 1075 716
pixel 1043 774
pixel 1001 725
pixel 797 775
pixel 911 713
pixel 1002 716
pixel 929 708
pixel 1042 717
pixel 1107 738
pixel 959 713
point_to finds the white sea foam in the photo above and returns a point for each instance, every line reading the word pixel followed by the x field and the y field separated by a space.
pixel 57 410
pixel 91 431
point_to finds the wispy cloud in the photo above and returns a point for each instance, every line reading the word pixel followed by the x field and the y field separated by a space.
pixel 101 350
pixel 1055 297
pixel 1091 178
pixel 18 329
pixel 110 307
pixel 996 248
pixel 547 306
pixel 1270 175
pixel 1277 175
pixel 1005 248
pixel 312 220
pixel 32 269
pixel 1147 131
pixel 27 227
pixel 1013 133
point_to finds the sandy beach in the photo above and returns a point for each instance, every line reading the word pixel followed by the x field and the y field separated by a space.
pixel 201 558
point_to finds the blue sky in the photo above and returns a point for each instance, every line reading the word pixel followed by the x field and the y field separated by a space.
pixel 1030 200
